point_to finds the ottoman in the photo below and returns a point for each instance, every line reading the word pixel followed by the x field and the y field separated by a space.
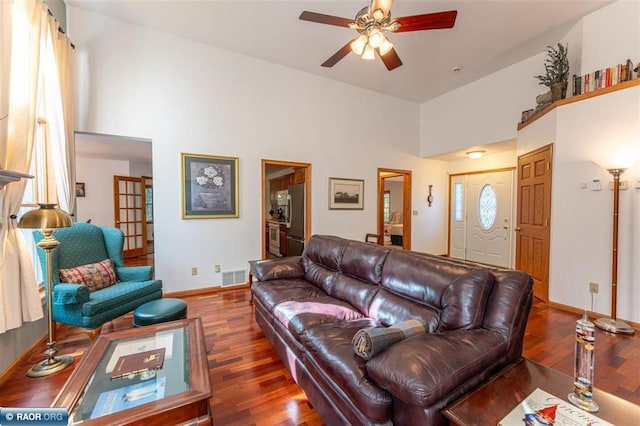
pixel 159 310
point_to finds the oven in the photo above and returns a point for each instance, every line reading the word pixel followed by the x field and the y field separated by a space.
pixel 274 238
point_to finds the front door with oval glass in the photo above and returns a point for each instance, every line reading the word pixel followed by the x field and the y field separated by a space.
pixel 481 218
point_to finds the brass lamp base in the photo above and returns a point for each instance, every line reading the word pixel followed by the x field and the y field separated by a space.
pixel 614 326
pixel 50 366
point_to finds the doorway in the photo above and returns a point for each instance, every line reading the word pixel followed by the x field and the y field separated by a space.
pixel 533 220
pixel 286 199
pixel 117 173
pixel 394 208
pixel 481 216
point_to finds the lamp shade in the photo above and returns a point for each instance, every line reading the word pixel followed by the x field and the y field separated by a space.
pixel 369 53
pixel 45 217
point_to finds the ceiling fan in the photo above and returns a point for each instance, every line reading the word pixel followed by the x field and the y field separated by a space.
pixel 371 22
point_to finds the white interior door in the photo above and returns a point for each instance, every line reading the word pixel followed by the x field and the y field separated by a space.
pixel 489 217
pixel 458 220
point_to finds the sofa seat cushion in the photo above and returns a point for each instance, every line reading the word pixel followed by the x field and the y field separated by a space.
pixel 300 315
pixel 272 293
pixel 424 369
pixel 330 352
pixel 118 294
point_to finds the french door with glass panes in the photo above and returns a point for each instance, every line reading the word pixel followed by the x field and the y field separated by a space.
pixel 130 215
pixel 481 217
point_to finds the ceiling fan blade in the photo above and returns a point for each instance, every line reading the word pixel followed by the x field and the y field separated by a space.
pixel 385 5
pixel 428 21
pixel 325 19
pixel 344 51
pixel 391 59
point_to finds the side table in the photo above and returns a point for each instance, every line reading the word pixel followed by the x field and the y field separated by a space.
pixel 252 271
pixel 491 402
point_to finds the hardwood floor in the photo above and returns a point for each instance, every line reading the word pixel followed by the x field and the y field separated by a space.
pixel 251 386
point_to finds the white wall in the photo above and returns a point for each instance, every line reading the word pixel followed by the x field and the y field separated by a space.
pixel 140 168
pixel 588 135
pixel 483 112
pixel 611 35
pixel 97 175
pixel 189 97
pixel 604 129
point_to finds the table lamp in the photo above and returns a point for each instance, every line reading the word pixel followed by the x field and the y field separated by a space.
pixel 47 218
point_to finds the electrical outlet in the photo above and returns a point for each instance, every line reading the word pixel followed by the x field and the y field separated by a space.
pixel 216 268
pixel 194 271
pixel 593 288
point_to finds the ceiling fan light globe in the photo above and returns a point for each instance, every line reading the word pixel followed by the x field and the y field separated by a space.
pixel 378 14
pixel 369 53
pixel 376 38
pixel 385 47
pixel 358 45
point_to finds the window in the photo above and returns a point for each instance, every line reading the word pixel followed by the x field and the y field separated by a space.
pixel 487 207
pixel 458 201
pixel 386 206
pixel 37 190
pixel 148 203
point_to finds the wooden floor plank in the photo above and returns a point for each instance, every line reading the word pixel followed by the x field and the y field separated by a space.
pixel 252 387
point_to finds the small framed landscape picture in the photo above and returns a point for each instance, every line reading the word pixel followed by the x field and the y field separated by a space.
pixel 346 194
pixel 80 189
pixel 209 186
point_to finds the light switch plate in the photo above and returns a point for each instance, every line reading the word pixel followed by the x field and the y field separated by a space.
pixel 596 185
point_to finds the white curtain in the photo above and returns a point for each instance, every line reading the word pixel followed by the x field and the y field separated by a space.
pixel 59 113
pixel 25 32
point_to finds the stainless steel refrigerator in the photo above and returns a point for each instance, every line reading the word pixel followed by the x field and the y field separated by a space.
pixel 295 220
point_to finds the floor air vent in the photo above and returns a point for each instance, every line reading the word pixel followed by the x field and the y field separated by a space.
pixel 230 278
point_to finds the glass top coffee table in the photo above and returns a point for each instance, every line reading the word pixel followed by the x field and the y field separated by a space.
pixel 178 392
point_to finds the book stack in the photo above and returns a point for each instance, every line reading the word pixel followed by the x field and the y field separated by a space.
pixel 600 79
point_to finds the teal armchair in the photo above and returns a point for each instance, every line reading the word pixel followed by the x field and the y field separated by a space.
pixel 73 303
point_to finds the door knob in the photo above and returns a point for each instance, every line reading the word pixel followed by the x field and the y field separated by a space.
pixel 517 228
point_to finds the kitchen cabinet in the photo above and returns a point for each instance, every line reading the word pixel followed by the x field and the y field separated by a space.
pixel 283 239
pixel 280 184
pixel 298 175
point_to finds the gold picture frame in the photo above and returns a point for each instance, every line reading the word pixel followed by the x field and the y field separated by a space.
pixel 209 186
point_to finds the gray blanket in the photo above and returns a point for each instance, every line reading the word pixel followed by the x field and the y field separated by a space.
pixel 370 341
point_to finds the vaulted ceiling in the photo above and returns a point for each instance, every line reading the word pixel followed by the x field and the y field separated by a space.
pixel 487 36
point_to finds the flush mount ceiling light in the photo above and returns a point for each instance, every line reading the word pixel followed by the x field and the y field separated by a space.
pixel 476 154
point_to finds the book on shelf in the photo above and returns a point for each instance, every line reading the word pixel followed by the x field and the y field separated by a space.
pixel 600 79
pixel 138 363
pixel 543 408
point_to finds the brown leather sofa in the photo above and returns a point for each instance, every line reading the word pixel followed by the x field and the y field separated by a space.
pixel 310 307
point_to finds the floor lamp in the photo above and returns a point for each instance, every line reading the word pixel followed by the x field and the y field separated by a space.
pixel 613 325
pixel 47 218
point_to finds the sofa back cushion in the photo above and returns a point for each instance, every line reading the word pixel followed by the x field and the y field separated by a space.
pixel 364 261
pixel 361 274
pixel 455 293
pixel 322 259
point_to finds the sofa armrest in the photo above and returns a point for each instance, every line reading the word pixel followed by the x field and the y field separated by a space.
pixel 70 294
pixel 278 269
pixel 134 273
pixel 427 368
